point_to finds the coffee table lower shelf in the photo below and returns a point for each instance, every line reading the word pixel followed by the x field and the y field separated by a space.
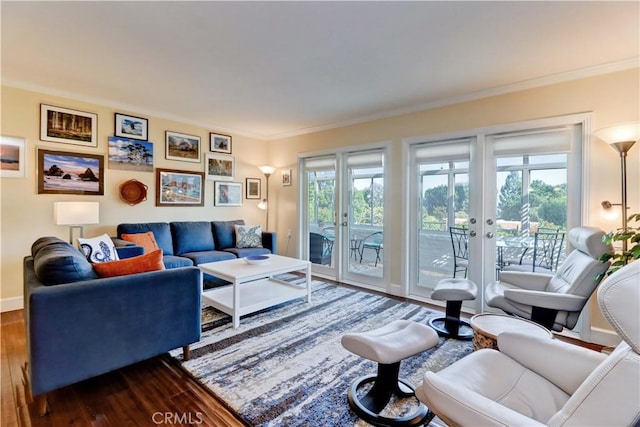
pixel 254 296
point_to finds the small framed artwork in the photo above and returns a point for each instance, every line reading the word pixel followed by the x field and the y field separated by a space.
pixel 220 167
pixel 12 157
pixel 252 188
pixel 179 188
pixel 62 172
pixel 219 143
pixel 130 154
pixel 182 147
pixel 286 177
pixel 131 127
pixel 68 126
pixel 227 193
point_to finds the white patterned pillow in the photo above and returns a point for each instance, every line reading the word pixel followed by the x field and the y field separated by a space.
pixel 98 249
pixel 248 236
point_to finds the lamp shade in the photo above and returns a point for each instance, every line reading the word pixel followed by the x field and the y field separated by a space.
pixel 76 213
pixel 622 132
pixel 267 170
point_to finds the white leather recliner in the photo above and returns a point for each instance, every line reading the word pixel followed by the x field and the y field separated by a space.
pixel 541 381
pixel 554 301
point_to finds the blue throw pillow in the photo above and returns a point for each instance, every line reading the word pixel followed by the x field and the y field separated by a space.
pixel 59 262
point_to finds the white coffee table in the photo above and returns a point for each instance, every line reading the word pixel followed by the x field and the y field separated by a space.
pixel 253 286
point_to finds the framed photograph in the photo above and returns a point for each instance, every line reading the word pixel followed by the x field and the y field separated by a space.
pixel 286 177
pixel 130 154
pixel 131 127
pixel 252 188
pixel 179 188
pixel 12 157
pixel 62 172
pixel 219 143
pixel 220 167
pixel 182 147
pixel 227 193
pixel 68 126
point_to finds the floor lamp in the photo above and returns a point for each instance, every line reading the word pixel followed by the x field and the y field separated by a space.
pixel 264 204
pixel 621 137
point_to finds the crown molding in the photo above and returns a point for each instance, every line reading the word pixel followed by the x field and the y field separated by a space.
pixel 500 90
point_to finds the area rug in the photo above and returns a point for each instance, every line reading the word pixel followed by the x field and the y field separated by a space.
pixel 285 366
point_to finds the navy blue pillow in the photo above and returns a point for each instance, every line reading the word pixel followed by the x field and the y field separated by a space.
pixel 56 262
pixel 192 236
pixel 225 233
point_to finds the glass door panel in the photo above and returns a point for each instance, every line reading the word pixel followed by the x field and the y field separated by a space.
pixel 363 219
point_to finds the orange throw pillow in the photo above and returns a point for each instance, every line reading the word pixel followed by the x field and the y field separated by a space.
pixel 146 240
pixel 138 264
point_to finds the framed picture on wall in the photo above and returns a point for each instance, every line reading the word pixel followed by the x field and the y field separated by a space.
pixel 219 143
pixel 220 167
pixel 179 188
pixel 286 177
pixel 227 193
pixel 12 157
pixel 183 147
pixel 130 154
pixel 68 126
pixel 63 172
pixel 252 188
pixel 131 127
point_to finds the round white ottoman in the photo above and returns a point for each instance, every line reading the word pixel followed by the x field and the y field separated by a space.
pixel 453 291
pixel 388 346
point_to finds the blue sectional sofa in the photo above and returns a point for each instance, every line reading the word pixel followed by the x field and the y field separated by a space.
pixel 79 325
pixel 187 243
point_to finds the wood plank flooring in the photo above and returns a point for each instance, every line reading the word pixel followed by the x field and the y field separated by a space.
pixel 154 392
pixel 150 393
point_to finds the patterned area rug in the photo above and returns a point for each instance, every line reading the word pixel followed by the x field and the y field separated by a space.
pixel 285 366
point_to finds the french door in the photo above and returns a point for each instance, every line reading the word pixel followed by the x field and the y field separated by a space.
pixel 343 200
pixel 478 200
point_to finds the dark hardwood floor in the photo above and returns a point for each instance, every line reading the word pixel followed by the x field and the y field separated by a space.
pixel 150 393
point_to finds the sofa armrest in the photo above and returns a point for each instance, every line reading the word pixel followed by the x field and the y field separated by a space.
pixel 526 280
pixel 270 241
pixel 79 330
pixel 127 249
pixel 548 300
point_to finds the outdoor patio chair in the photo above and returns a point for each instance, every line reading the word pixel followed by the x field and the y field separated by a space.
pixel 320 249
pixel 547 248
pixel 459 241
pixel 374 242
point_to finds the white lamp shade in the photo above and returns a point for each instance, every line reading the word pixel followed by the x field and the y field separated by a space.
pixel 263 204
pixel 76 213
pixel 267 170
pixel 623 132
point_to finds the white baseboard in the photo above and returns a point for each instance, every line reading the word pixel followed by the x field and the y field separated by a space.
pixel 11 304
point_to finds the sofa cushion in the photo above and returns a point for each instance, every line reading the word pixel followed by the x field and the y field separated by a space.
pixel 172 261
pixel 225 233
pixel 139 264
pixel 146 240
pixel 248 236
pixel 56 261
pixel 98 249
pixel 161 232
pixel 192 236
pixel 208 256
pixel 243 252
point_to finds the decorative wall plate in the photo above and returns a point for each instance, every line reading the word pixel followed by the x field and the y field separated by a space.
pixel 133 192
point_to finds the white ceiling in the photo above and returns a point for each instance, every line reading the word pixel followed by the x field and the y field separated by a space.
pixel 271 69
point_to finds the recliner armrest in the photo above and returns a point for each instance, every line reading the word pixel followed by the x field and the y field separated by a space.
pixel 549 300
pixel 526 280
pixel 565 365
pixel 469 408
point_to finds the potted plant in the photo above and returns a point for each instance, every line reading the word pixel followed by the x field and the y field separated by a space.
pixel 632 236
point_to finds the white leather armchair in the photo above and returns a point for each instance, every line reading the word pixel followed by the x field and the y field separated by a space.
pixel 540 381
pixel 554 301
